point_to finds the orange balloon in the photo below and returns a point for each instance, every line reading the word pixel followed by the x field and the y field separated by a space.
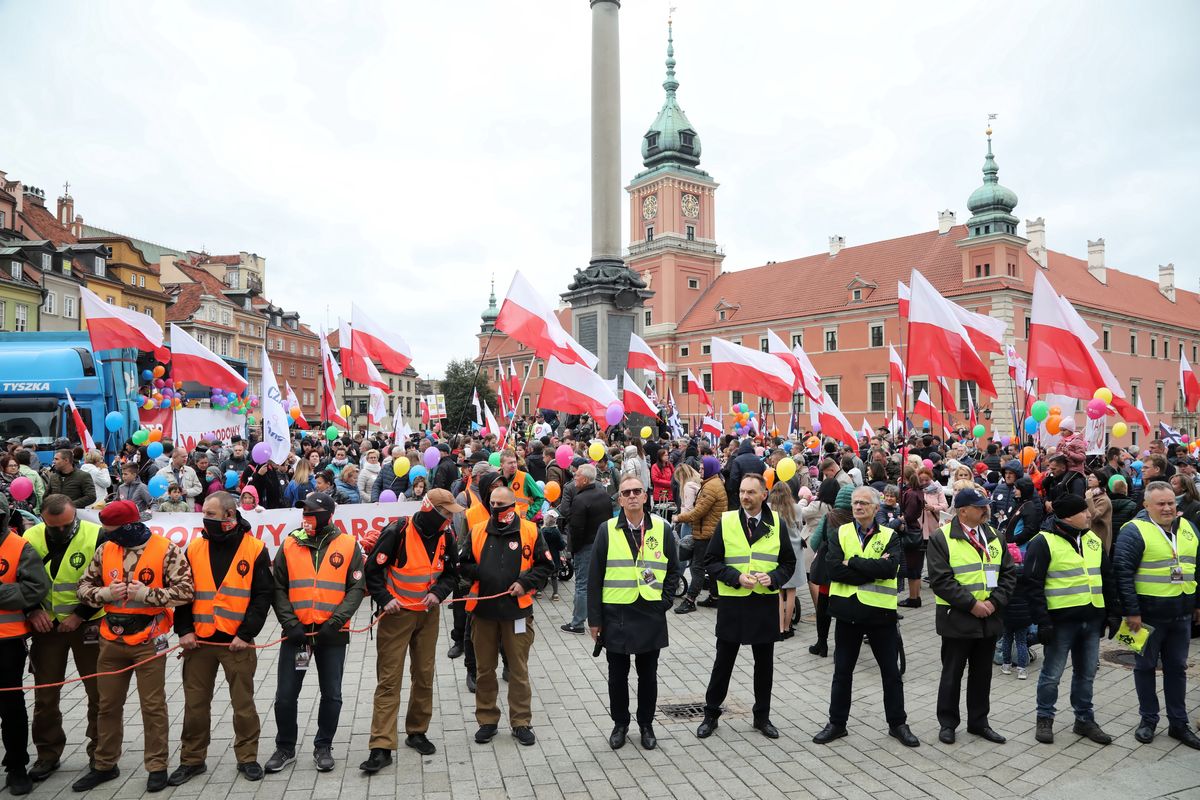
pixel 1052 424
pixel 552 491
pixel 1027 456
pixel 770 476
pixel 158 371
pixel 1056 411
pixel 155 435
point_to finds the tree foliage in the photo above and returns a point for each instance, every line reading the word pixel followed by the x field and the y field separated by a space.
pixel 461 377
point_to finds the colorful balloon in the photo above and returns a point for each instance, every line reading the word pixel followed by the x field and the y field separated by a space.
pixel 154 449
pixel 1120 429
pixel 494 459
pixel 614 413
pixel 113 421
pixel 387 496
pixel 1031 425
pixel 785 470
pixel 431 457
pixel 1040 410
pixel 646 432
pixel 21 488
pixel 140 437
pixel 401 466
pixel 1096 408
pixel 261 453
pixel 331 432
pixel 552 491
pixel 231 479
pixel 158 371
pixel 564 455
pixel 596 451
pixel 1052 424
pixel 158 484
pixel 154 435
pixel 1105 394
pixel 1028 454
pixel 769 476
pixel 979 431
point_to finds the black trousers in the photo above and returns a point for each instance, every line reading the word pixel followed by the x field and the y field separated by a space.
pixel 847 643
pixel 722 671
pixel 14 719
pixel 618 687
pixel 974 655
pixel 823 619
pixel 458 632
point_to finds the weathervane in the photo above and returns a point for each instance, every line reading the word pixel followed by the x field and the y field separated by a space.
pixel 989 127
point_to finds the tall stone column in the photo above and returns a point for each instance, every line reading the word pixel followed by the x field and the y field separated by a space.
pixel 606 297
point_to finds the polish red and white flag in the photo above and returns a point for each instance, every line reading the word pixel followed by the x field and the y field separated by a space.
pixel 575 389
pixel 330 372
pixel 925 408
pixel 811 379
pixel 514 385
pixel 356 366
pixel 490 423
pixel 777 348
pixel 742 369
pixel 1134 414
pixel 192 361
pixel 710 426
pixel 938 342
pixel 635 401
pixel 301 422
pixel 831 421
pixel 1189 384
pixel 113 328
pixel 376 343
pixel 529 319
pixel 1016 365
pixel 986 332
pixel 642 357
pixel 695 387
pixel 948 403
pixel 377 408
pixel 866 431
pixel 904 298
pixel 896 372
pixel 85 436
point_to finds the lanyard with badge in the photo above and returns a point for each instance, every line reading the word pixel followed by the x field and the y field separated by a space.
pixel 1176 567
pixel 639 556
pixel 991 577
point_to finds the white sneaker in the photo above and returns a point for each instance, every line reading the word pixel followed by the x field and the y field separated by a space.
pixel 1032 655
pixel 1006 669
pixel 1022 674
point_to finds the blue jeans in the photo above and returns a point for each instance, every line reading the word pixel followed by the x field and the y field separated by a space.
pixel 1170 643
pixel 1080 640
pixel 582 559
pixel 1017 637
pixel 330 662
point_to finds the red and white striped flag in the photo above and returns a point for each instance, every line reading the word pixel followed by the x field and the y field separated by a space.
pixel 514 385
pixel 490 424
pixel 357 366
pixel 373 342
pixel 896 368
pixel 948 403
pixel 192 361
pixel 924 407
pixel 711 426
pixel 329 375
pixel 85 436
pixel 635 402
pixel 695 387
pixel 903 298
pixel 113 328
pixel 938 342
pixel 642 357
pixel 866 431
pixel 301 422
pixel 810 378
pixel 575 389
pixel 377 408
pixel 830 420
pixel 1188 384
pixel 742 369
pixel 777 348
pixel 526 317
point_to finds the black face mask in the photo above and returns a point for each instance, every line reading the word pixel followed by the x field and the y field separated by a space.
pixel 134 534
pixel 428 523
pixel 218 530
pixel 60 534
pixel 504 515
pixel 318 520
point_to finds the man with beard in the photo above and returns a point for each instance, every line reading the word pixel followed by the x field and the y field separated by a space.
pixel 230 613
pixel 505 556
pixel 411 572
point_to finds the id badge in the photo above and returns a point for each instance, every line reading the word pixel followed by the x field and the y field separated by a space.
pixel 648 575
pixel 519 625
pixel 991 580
pixel 161 644
pixel 91 634
pixel 1177 574
pixel 303 656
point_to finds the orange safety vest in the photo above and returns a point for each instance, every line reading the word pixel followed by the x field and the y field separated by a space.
pixel 410 583
pixel 149 571
pixel 222 609
pixel 12 621
pixel 529 535
pixel 314 593
pixel 477 512
pixel 518 489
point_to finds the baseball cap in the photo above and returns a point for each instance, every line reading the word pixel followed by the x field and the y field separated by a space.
pixel 443 501
pixel 319 501
pixel 969 497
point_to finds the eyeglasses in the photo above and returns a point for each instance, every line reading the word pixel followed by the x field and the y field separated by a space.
pixel 861 503
pixel 632 492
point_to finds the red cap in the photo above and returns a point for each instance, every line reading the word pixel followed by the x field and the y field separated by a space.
pixel 120 512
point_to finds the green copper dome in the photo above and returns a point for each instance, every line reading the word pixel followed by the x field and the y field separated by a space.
pixel 489 315
pixel 671 139
pixel 991 205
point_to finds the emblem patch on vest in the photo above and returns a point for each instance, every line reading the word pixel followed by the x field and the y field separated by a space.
pixel 652 542
pixel 877 546
pixel 116 629
pixel 1093 544
pixel 4 566
pixel 381 558
pixel 337 559
pixel 243 568
pixel 77 560
pixel 357 575
pixel 146 576
pixel 526 551
pixel 513 545
pixel 1185 533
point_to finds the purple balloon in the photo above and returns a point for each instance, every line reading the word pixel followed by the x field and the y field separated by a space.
pixel 387 496
pixel 614 413
pixel 1005 441
pixel 431 458
pixel 261 453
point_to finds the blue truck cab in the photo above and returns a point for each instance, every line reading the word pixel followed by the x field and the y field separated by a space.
pixel 37 369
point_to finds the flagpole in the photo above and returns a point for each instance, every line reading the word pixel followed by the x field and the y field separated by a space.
pixel 521 394
pixel 475 383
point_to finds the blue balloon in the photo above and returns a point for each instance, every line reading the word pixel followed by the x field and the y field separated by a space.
pixel 925 425
pixel 787 447
pixel 231 479
pixel 418 472
pixel 1031 425
pixel 159 483
pixel 147 375
pixel 113 421
pixel 154 449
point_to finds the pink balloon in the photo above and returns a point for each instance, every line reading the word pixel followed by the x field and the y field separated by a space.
pixel 614 413
pixel 21 488
pixel 1096 408
pixel 431 458
pixel 928 464
pixel 564 455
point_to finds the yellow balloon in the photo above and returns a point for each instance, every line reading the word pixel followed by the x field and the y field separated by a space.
pixel 1104 394
pixel 596 451
pixel 785 469
pixel 345 412
pixel 1120 429
pixel 400 466
pixel 646 432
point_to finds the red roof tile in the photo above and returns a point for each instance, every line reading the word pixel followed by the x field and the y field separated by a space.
pixel 186 302
pixel 228 260
pixel 47 226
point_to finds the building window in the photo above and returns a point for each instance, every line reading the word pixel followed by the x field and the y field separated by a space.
pixel 706 348
pixel 1154 350
pixel 525 371
pixel 685 140
pixel 1166 348
pixel 856 295
pixel 983 270
pixel 279 372
pixel 292 348
pixel 525 403
pixel 1193 354
pixel 1012 270
pixel 133 280
pixel 1027 318
pixel 736 397
pixel 648 317
pixel 797 340
pixel 706 381
pixel 833 390
pixel 764 344
pixel 68 307
pixel 1158 395
pixel 1107 338
pixel 1181 351
pixel 876 335
pixel 683 383
pixel 1133 343
pixel 830 340
pixel 918 387
pixel 112 301
pixel 693 283
pixel 15 269
pixel 50 303
pixel 149 312
pixel 691 233
pixel 649 233
pixel 224 345
pixel 98 266
pixel 684 351
pixel 878 391
pixel 966 389
pixel 541 372
pixel 141 281
pixel 3 312
pixel 291 370
pixel 132 306
pixel 22 320
pixel 45 262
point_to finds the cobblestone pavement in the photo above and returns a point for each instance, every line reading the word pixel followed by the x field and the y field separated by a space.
pixel 572 759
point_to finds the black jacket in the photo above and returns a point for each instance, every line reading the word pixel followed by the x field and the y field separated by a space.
pixel 1127 555
pixel 1037 563
pixel 591 507
pixel 956 620
pixel 445 474
pixel 392 547
pixel 1017 614
pixel 262 587
pixel 753 618
pixel 744 463
pixel 858 571
pixel 1123 510
pixel 535 465
pixel 499 566
pixel 1027 514
pixel 270 485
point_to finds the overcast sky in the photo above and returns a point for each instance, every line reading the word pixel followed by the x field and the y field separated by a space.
pixel 400 153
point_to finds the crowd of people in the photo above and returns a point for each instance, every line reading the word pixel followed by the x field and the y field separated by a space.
pixel 1020 545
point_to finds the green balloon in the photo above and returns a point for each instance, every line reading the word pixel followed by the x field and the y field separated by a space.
pixel 331 432
pixel 140 436
pixel 979 431
pixel 494 459
pixel 1040 410
pixel 250 421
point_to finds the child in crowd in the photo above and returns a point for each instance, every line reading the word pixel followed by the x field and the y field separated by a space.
pixel 250 499
pixel 174 500
pixel 132 488
pixel 1017 620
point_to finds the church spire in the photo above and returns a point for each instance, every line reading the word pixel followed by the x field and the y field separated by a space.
pixel 489 316
pixel 670 84
pixel 991 205
pixel 671 139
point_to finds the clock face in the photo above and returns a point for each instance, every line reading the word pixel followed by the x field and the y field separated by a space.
pixel 650 207
pixel 691 206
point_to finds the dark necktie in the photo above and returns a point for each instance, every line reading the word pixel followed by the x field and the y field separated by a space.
pixel 752 525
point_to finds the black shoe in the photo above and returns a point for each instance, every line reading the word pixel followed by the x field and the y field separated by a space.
pixel 504 673
pixel 157 781
pixel 986 732
pixel 42 769
pixel 185 772
pixel 829 733
pixel 819 649
pixel 1045 730
pixel 649 740
pixel 902 734
pixel 789 633
pixel 766 729
pixel 456 650
pixel 323 758
pixel 1182 734
pixel 251 771
pixel 1144 732
pixel 1092 731
pixel 485 734
pixel 946 735
pixel 686 607
pixel 524 735
pixel 708 602
pixel 278 761
pixel 377 760
pixel 94 778
pixel 18 783
pixel 471 682
pixel 569 628
pixel 420 743
pixel 910 602
pixel 616 739
pixel 707 726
